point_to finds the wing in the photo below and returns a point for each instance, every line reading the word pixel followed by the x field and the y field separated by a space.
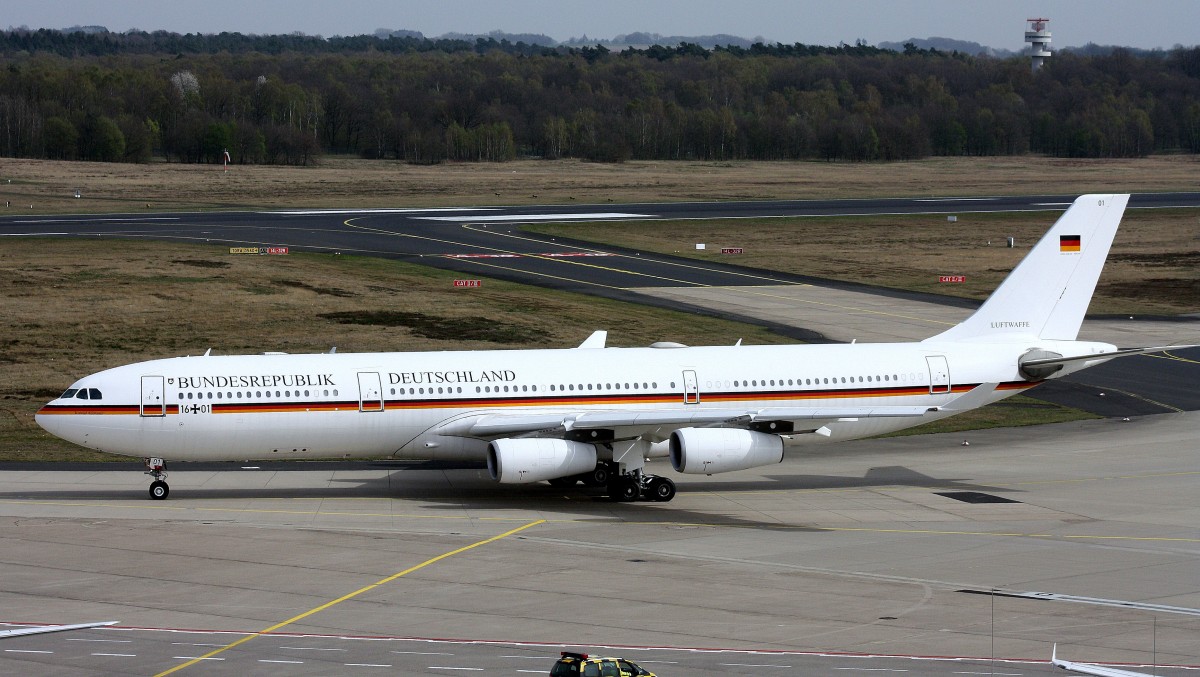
pixel 657 424
pixel 622 423
pixel 52 628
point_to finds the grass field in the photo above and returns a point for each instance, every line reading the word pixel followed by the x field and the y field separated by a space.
pixel 343 182
pixel 1153 268
pixel 72 307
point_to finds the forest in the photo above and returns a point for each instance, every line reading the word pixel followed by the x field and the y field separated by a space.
pixel 133 97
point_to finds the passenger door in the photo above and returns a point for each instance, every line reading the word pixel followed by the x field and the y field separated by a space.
pixel 691 387
pixel 939 374
pixel 153 401
pixel 370 391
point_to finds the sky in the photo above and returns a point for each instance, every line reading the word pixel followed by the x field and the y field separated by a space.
pixel 994 23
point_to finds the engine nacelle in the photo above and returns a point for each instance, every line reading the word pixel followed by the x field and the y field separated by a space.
pixel 704 451
pixel 533 460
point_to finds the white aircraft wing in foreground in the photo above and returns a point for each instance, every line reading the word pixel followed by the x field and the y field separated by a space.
pixel 1089 669
pixel 42 629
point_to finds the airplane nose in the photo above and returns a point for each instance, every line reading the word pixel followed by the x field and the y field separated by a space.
pixel 55 424
pixel 46 421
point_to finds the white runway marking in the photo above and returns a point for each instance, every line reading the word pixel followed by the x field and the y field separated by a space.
pixel 539 217
pixel 320 212
pixel 118 655
pixel 132 219
pixel 956 199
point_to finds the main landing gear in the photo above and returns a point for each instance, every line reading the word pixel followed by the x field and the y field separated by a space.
pixel 637 484
pixel 156 468
pixel 628 487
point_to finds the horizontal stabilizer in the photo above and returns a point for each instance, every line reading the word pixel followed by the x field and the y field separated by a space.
pixel 1124 352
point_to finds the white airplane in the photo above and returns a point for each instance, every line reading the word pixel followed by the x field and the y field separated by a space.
pixel 1091 669
pixel 597 414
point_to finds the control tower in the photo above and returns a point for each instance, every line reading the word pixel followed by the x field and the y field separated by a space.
pixel 1039 41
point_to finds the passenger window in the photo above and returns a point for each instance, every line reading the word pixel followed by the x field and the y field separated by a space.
pixel 591 670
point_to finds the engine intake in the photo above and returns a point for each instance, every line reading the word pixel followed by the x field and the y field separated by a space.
pixel 704 451
pixel 533 460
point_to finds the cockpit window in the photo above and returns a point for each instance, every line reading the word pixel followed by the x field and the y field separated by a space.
pixel 67 394
pixel 82 394
pixel 94 394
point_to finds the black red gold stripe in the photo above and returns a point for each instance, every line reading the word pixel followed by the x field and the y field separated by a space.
pixel 99 409
pixel 525 400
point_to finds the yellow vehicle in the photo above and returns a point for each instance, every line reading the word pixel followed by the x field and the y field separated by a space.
pixel 582 665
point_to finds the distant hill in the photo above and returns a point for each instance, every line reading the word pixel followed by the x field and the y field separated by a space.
pixel 637 40
pixel 948 45
pixel 642 39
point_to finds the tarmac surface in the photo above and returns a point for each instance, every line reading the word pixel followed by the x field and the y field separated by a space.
pixel 864 556
pixel 913 554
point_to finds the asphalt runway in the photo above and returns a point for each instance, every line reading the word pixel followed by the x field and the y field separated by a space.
pixel 876 555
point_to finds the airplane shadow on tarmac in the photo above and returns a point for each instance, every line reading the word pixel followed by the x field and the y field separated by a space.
pixel 439 486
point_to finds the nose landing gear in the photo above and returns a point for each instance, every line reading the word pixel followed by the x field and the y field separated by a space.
pixel 156 468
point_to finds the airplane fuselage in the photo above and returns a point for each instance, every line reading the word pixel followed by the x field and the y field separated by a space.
pixel 399 404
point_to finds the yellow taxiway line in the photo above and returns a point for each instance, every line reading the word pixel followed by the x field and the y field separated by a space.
pixel 345 597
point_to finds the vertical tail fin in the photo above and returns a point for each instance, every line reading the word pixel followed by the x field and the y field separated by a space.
pixel 1048 293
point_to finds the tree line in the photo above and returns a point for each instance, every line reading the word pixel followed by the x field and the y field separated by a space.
pixel 131 97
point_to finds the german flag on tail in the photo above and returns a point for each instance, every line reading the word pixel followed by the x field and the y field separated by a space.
pixel 1068 243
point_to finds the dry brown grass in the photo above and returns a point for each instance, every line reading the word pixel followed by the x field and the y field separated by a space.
pixel 347 183
pixel 1154 267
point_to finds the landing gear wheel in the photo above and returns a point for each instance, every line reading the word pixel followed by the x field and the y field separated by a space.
pixel 624 489
pixel 661 489
pixel 598 477
pixel 156 468
pixel 159 490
